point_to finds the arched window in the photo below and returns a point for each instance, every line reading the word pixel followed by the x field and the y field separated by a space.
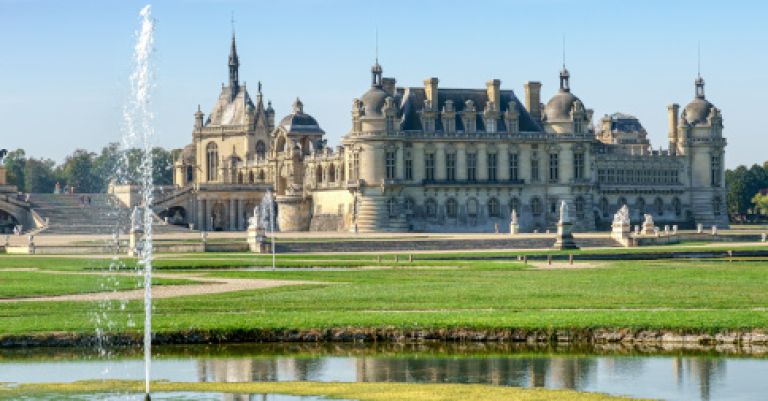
pixel 677 206
pixel 579 206
pixel 319 174
pixel 280 144
pixel 640 206
pixel 261 175
pixel 472 207
pixel 536 207
pixel 261 150
pixel 717 204
pixel 240 178
pixel 409 204
pixel 430 208
pixel 212 161
pixel 392 207
pixel 331 173
pixel 340 172
pixel 250 177
pixel 658 206
pixel 604 207
pixel 451 208
pixel 493 207
pixel 514 204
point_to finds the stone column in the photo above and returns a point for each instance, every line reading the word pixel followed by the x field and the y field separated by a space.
pixel 461 161
pixel 440 161
pixel 482 162
pixel 207 224
pixel 241 214
pixel 502 162
pixel 232 214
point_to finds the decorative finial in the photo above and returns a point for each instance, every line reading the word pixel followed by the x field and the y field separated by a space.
pixel 377 45
pixel 563 51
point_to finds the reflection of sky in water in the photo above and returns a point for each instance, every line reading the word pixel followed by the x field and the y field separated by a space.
pixel 685 378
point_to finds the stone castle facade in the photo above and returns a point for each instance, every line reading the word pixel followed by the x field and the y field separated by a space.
pixel 439 159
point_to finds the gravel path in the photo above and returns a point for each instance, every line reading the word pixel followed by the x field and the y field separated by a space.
pixel 204 286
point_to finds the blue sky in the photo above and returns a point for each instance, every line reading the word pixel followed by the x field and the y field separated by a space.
pixel 64 65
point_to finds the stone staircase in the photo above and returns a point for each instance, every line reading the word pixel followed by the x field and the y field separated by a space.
pixel 373 216
pixel 104 215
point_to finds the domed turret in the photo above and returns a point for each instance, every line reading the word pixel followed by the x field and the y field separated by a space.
pixel 559 106
pixel 300 122
pixel 698 110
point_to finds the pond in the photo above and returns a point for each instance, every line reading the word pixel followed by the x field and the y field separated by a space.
pixel 698 374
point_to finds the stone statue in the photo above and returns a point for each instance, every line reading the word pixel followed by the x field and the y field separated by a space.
pixel 136 218
pixel 514 225
pixel 648 219
pixel 564 218
pixel 255 221
pixel 621 216
pixel 514 217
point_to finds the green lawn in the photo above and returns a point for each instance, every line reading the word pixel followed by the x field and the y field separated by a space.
pixel 349 391
pixel 22 284
pixel 703 296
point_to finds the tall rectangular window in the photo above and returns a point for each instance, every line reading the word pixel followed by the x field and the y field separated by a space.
pixel 471 166
pixel 429 166
pixel 491 166
pixel 355 173
pixel 514 169
pixel 554 167
pixel 450 166
pixel 390 165
pixel 715 172
pixel 535 170
pixel 578 166
pixel 408 169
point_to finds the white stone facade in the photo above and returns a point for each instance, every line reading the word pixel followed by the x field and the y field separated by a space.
pixel 460 160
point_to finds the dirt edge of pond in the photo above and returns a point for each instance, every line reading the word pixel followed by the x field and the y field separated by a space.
pixel 746 337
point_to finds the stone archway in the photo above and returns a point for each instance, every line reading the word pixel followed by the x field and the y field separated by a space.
pixel 177 215
pixel 7 222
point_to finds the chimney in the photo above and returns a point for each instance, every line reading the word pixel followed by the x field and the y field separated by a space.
pixel 533 99
pixel 493 89
pixel 388 84
pixel 430 90
pixel 673 113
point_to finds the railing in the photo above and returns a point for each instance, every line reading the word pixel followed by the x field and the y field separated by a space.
pixel 472 182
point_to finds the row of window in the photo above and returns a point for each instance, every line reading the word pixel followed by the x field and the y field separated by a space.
pixel 493 205
pixel 212 159
pixel 390 162
pixel 636 176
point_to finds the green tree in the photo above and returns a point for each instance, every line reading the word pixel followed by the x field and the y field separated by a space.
pixel 78 171
pixel 39 175
pixel 14 166
pixel 761 203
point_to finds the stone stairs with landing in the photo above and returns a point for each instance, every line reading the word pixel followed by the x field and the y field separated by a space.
pixel 72 214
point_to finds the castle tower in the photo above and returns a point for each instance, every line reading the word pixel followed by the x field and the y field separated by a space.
pixel 700 138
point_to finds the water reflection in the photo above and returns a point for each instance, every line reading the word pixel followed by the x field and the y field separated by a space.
pixel 702 375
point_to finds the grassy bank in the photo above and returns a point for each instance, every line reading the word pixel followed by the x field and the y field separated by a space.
pixel 348 391
pixel 700 297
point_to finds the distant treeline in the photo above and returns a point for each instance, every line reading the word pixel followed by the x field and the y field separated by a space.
pixel 86 171
pixel 745 199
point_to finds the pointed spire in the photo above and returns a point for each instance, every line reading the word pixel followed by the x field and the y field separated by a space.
pixel 699 80
pixel 234 66
pixel 376 69
pixel 565 76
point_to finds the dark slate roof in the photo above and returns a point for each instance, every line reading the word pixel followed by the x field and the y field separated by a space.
pixel 625 123
pixel 411 100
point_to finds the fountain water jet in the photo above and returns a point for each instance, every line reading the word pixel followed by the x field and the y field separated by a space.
pixel 139 133
pixel 268 211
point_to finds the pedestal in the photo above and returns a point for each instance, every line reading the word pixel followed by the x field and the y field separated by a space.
pixel 565 237
pixel 134 241
pixel 648 229
pixel 514 228
pixel 257 241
